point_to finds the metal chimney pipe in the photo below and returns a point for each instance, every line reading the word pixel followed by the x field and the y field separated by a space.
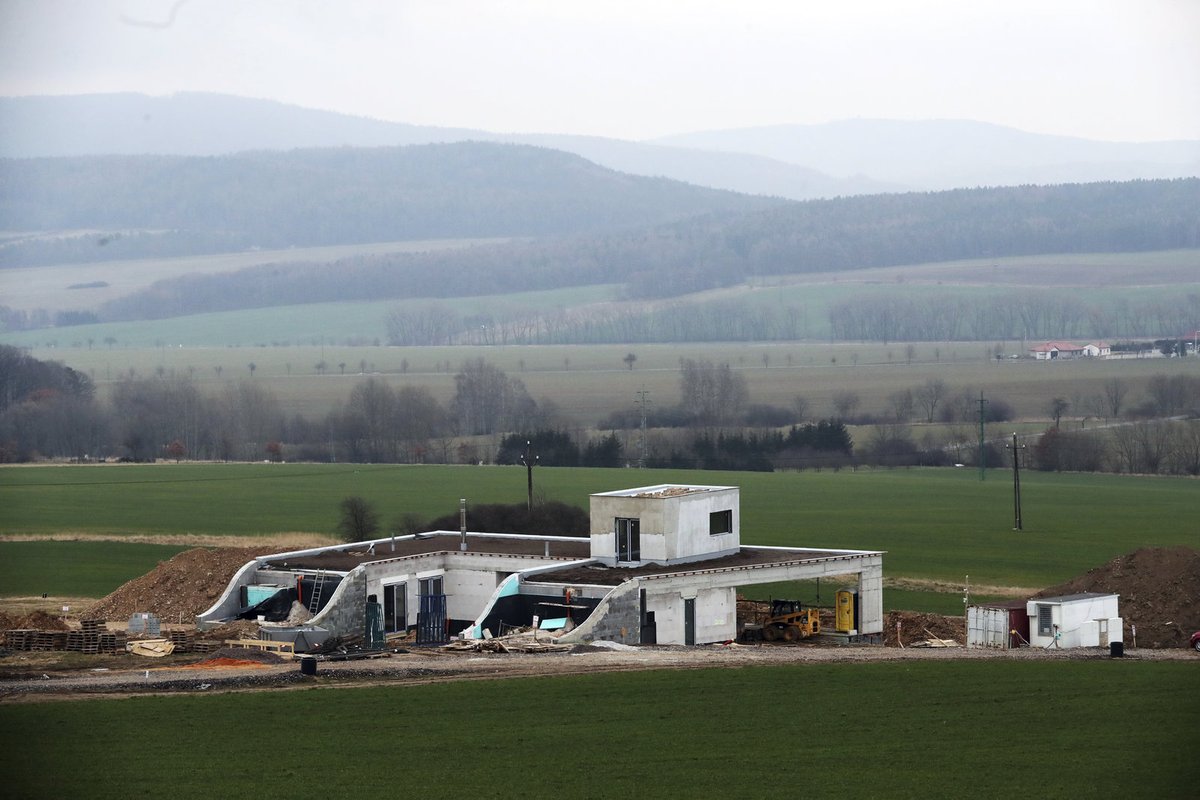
pixel 462 523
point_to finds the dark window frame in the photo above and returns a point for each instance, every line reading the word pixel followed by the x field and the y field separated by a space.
pixel 720 522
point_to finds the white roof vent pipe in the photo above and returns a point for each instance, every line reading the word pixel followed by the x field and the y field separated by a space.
pixel 462 523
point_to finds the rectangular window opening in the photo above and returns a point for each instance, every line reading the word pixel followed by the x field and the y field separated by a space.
pixel 720 522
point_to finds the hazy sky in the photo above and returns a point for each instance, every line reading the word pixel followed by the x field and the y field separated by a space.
pixel 1102 69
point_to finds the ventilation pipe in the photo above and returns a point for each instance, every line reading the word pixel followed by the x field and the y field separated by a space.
pixel 462 523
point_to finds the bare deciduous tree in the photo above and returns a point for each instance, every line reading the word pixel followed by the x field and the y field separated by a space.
pixel 929 396
pixel 358 519
pixel 845 403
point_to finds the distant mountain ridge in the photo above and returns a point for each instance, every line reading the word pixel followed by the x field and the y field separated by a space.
pixel 949 154
pixel 156 205
pixel 199 124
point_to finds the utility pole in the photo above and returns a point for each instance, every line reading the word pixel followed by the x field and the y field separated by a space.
pixel 1016 483
pixel 982 452
pixel 642 403
pixel 529 459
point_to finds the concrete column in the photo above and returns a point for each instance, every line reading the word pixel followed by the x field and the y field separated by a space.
pixel 870 599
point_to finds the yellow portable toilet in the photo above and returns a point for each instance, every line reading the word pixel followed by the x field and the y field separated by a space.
pixel 845 607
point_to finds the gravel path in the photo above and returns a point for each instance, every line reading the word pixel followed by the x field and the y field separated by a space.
pixel 435 666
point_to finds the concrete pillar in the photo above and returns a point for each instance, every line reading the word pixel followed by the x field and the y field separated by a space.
pixel 870 599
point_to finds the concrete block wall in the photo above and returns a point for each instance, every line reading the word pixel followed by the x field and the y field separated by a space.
pixel 618 618
pixel 346 614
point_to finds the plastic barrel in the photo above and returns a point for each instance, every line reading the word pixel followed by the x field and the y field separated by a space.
pixel 308 666
pixel 1116 649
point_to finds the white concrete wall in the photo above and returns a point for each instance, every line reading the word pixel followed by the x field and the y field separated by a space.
pixel 1077 621
pixel 672 529
pixel 716 614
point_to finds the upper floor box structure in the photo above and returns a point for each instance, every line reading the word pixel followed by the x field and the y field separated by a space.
pixel 665 524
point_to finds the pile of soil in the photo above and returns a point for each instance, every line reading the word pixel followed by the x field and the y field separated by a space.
pixel 243 655
pixel 1159 589
pixel 187 584
pixel 36 620
pixel 917 627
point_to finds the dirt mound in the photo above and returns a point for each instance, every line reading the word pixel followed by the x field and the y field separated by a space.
pixel 38 621
pixel 186 585
pixel 1159 589
pixel 917 627
pixel 243 655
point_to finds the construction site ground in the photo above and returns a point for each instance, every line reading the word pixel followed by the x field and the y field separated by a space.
pixel 24 680
pixel 1158 588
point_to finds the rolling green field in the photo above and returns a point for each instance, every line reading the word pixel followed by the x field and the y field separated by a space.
pixel 936 524
pixel 76 569
pixel 916 729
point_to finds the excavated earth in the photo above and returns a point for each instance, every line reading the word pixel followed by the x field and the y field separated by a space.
pixel 1159 589
pixel 181 587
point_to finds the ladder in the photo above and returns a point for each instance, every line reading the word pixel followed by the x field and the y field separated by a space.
pixel 314 597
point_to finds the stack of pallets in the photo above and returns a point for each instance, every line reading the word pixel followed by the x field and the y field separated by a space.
pixel 49 640
pixel 19 639
pixel 184 641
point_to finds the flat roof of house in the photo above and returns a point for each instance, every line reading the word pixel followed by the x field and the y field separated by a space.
pixel 346 557
pixel 745 558
pixel 664 490
pixel 1067 598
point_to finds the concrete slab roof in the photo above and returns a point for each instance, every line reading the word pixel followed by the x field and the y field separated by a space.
pixel 346 557
pixel 664 490
pixel 746 558
pixel 1069 598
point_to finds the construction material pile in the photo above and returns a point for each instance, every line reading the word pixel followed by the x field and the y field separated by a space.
pixel 177 589
pixel 526 640
pixel 922 630
pixel 1159 589
pixel 35 620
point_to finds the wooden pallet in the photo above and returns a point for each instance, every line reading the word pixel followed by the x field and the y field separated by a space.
pixel 284 649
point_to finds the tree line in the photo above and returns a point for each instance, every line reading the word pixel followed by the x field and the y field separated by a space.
pixel 890 317
pixel 48 410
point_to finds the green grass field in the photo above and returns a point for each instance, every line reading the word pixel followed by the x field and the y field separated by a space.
pixel 1094 279
pixel 934 523
pixel 76 569
pixel 917 729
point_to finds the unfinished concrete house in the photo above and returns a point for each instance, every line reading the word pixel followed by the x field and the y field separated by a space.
pixel 662 565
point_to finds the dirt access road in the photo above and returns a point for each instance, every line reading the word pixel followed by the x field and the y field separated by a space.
pixel 435 666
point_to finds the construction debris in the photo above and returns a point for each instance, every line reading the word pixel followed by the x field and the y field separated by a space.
pixel 151 648
pixel 524 640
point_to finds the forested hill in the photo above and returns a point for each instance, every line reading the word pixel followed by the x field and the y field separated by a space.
pixel 708 252
pixel 174 205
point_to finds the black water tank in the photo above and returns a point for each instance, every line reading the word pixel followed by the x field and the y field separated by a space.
pixel 1116 649
pixel 308 666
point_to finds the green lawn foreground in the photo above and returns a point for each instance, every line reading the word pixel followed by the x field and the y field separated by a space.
pixel 938 524
pixel 1099 728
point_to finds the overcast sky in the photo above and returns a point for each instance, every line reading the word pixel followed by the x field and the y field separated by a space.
pixel 1101 69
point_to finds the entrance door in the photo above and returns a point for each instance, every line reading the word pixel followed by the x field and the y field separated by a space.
pixel 395 607
pixel 689 621
pixel 629 546
pixel 431 615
